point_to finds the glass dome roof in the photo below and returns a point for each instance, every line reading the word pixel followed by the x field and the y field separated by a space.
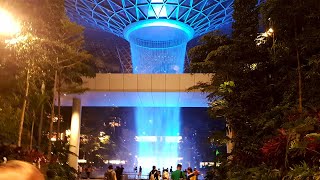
pixel 115 15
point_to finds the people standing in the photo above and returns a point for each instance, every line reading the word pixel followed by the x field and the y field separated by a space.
pixel 165 174
pixel 79 172
pixel 118 172
pixel 110 174
pixel 153 173
pixel 178 174
pixel 121 171
pixel 89 170
pixel 190 174
pixel 196 173
pixel 158 175
pixel 140 172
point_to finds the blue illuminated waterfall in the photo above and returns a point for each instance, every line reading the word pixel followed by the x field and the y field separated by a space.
pixel 158 32
pixel 158 130
pixel 158 46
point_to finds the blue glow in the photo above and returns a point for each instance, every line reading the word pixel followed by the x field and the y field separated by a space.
pixel 158 32
pixel 158 131
pixel 158 23
pixel 158 46
pixel 146 60
pixel 114 16
pixel 157 9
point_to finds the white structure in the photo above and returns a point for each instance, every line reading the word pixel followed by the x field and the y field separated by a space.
pixel 132 90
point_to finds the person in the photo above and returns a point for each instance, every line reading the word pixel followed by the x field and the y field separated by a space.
pixel 178 174
pixel 19 170
pixel 89 170
pixel 153 173
pixel 158 175
pixel 190 174
pixel 110 174
pixel 140 172
pixel 196 173
pixel 121 170
pixel 79 172
pixel 118 172
pixel 170 169
pixel 165 174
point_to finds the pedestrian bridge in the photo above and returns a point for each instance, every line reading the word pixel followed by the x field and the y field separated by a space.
pixel 141 90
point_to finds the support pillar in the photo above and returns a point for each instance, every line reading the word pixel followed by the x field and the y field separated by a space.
pixel 75 133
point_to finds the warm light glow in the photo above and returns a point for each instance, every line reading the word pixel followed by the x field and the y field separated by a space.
pixel 270 30
pixel 68 132
pixel 262 37
pixel 115 162
pixel 204 164
pixel 114 124
pixel 75 124
pixel 82 161
pixel 8 25
pixel 25 39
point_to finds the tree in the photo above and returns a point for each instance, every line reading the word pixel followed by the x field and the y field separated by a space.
pixel 59 46
pixel 267 92
pixel 237 78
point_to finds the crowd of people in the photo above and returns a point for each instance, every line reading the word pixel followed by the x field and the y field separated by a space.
pixel 110 174
pixel 188 174
pixel 156 174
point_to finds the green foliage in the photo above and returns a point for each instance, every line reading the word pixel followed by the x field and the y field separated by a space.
pixel 255 87
pixel 60 171
pixel 261 172
pixel 48 42
pixel 303 172
pixel 58 168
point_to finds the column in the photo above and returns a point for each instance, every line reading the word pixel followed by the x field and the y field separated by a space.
pixel 75 133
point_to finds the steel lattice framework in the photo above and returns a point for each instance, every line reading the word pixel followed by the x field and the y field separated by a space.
pixel 115 15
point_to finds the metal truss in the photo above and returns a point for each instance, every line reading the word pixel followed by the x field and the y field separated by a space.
pixel 115 15
pixel 124 56
pixel 110 48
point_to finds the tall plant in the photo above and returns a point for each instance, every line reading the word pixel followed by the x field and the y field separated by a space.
pixel 267 92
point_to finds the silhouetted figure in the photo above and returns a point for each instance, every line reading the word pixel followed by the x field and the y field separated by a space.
pixel 178 174
pixel 110 174
pixel 158 175
pixel 190 174
pixel 121 170
pixel 165 174
pixel 153 173
pixel 89 170
pixel 118 172
pixel 140 172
